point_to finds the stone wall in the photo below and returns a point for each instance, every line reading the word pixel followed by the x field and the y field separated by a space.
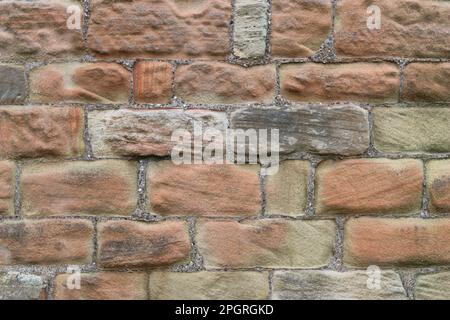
pixel 358 208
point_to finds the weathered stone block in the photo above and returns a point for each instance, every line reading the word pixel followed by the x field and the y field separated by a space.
pixel 80 82
pixel 39 29
pixel 12 84
pixel 128 244
pixel 209 285
pixel 317 129
pixel 286 189
pixel 409 28
pixel 79 188
pixel 332 285
pixel 250 28
pixel 22 286
pixel 41 132
pixel 299 27
pixel 204 190
pixel 269 243
pixel 315 82
pixel 223 83
pixel 160 28
pixel 138 133
pixel 411 129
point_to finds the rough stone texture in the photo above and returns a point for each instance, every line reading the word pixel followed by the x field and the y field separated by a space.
pixel 409 28
pixel 438 184
pixel 103 286
pixel 12 83
pixel 79 188
pixel 332 285
pixel 222 83
pixel 411 129
pixel 40 132
pixel 403 242
pixel 271 243
pixel 45 242
pixel 160 28
pixel 7 183
pixel 233 285
pixel 22 286
pixel 38 29
pixel 318 129
pixel 427 82
pixel 250 28
pixel 135 244
pixel 369 186
pixel 366 82
pixel 139 133
pixel 80 82
pixel 204 190
pixel 121 149
pixel 433 286
pixel 153 82
pixel 299 27
pixel 286 190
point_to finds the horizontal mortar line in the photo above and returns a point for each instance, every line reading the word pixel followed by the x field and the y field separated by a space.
pixel 91 268
pixel 240 219
pixel 91 58
pixel 346 60
pixel 232 107
pixel 156 219
pixel 301 157
pixel 240 62
pixel 412 104
pixel 418 156
pixel 332 216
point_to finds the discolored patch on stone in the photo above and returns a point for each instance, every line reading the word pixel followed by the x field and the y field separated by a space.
pixel 22 286
pixel 317 129
pixel 411 129
pixel 136 244
pixel 286 189
pixel 250 28
pixel 204 190
pixel 79 188
pixel 102 286
pixel 7 186
pixel 138 133
pixel 46 242
pixel 270 243
pixel 433 286
pixel 332 285
pixel 153 82
pixel 12 84
pixel 427 82
pixel 369 186
pixel 80 82
pixel 396 242
pixel 209 285
pixel 438 183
